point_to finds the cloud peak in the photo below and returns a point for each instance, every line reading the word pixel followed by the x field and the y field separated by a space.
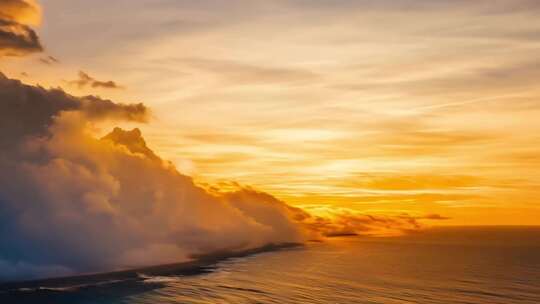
pixel 132 140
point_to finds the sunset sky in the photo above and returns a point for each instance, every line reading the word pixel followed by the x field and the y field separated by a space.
pixel 380 107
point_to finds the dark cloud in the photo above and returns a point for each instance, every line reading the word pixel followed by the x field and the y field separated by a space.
pixel 332 222
pixel 49 60
pixel 16 36
pixel 98 108
pixel 86 80
pixel 29 110
pixel 346 222
pixel 17 39
pixel 435 216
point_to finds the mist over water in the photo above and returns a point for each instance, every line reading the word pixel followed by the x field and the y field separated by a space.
pixel 445 265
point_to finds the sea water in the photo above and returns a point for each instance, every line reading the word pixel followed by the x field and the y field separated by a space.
pixel 445 265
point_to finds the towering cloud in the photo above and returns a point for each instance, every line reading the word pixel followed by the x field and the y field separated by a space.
pixel 71 202
pixel 16 35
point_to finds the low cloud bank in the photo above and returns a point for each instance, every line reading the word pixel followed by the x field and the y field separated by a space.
pixel 335 221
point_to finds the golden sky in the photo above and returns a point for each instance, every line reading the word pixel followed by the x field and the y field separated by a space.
pixel 383 106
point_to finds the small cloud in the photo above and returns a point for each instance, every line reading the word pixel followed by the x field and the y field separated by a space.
pixel 49 60
pixel 86 80
pixel 17 39
pixel 16 36
pixel 437 217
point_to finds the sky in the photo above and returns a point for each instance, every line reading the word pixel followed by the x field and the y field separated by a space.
pixel 377 107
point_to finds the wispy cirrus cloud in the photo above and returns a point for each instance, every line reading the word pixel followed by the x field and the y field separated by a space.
pixel 241 73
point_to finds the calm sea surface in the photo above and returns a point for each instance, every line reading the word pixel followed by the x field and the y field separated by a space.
pixel 458 265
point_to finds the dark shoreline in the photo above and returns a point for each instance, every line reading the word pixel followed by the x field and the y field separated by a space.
pixel 200 265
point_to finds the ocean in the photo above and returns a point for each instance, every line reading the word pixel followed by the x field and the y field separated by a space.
pixel 443 265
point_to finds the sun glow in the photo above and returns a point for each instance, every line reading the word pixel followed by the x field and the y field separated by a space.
pixel 365 109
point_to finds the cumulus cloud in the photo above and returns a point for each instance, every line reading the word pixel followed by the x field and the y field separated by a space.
pixel 16 36
pixel 29 110
pixel 72 202
pixel 86 80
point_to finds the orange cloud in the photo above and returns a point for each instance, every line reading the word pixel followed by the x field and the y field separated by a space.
pixel 332 222
pixel 104 204
pixel 86 80
pixel 16 36
pixel 23 11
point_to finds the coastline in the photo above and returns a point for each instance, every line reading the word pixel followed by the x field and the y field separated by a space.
pixel 199 265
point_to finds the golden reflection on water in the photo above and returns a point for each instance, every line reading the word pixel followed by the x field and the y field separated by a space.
pixel 462 267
